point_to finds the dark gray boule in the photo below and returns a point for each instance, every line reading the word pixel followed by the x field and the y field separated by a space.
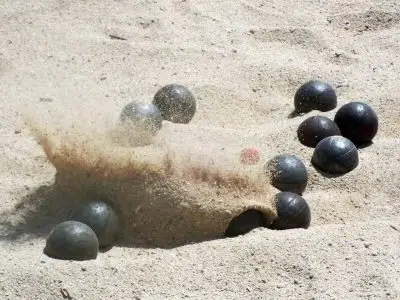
pixel 72 240
pixel 315 95
pixel 102 219
pixel 314 129
pixel 176 103
pixel 144 116
pixel 335 155
pixel 358 122
pixel 287 173
pixel 293 212
pixel 245 222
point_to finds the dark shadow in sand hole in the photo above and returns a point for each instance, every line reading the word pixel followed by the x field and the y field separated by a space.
pixel 40 211
pixel 245 222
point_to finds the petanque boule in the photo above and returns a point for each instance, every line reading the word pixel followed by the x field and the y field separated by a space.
pixel 176 103
pixel 102 219
pixel 287 173
pixel 293 212
pixel 358 122
pixel 314 95
pixel 72 240
pixel 142 116
pixel 335 155
pixel 314 129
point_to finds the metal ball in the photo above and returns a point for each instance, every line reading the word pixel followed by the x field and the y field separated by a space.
pixel 358 122
pixel 336 155
pixel 143 116
pixel 315 95
pixel 314 129
pixel 287 173
pixel 102 219
pixel 293 212
pixel 176 103
pixel 72 240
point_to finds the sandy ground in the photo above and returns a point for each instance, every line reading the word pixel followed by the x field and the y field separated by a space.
pixel 244 61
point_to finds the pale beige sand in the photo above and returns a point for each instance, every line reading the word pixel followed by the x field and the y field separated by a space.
pixel 244 62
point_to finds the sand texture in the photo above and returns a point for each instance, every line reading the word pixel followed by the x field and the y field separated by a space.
pixel 67 68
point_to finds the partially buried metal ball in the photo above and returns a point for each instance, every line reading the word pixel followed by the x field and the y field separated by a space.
pixel 292 210
pixel 72 240
pixel 144 116
pixel 287 173
pixel 315 95
pixel 245 222
pixel 176 103
pixel 358 122
pixel 335 155
pixel 102 219
pixel 314 129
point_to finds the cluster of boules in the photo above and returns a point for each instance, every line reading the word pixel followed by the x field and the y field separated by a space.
pixel 335 141
pixel 95 226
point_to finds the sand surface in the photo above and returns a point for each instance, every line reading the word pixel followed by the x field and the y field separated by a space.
pixel 243 60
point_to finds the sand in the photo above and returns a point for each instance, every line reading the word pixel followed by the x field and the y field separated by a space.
pixel 243 61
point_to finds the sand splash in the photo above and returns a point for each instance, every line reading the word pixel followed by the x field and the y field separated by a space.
pixel 166 195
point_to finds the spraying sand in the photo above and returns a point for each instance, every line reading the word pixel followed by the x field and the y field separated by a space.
pixel 71 66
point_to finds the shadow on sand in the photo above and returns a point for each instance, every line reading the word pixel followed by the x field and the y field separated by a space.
pixel 366 145
pixel 293 115
pixel 328 175
pixel 43 208
pixel 40 211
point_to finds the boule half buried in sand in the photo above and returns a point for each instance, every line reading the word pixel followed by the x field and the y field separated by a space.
pixel 167 194
pixel 72 240
pixel 314 129
pixel 293 212
pixel 315 95
pixel 102 219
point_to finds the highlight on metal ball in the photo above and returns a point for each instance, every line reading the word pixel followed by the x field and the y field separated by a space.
pixel 293 212
pixel 314 95
pixel 287 173
pixel 142 116
pixel 358 122
pixel 335 155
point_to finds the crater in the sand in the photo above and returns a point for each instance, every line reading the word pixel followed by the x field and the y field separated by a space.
pixel 165 196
